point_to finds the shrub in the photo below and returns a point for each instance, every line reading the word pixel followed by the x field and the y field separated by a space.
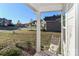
pixel 27 48
pixel 42 48
pixel 10 51
pixel 43 29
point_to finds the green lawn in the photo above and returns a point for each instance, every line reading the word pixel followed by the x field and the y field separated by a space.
pixel 24 36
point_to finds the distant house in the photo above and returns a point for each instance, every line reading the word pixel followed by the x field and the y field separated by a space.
pixel 53 23
pixel 33 24
pixel 5 22
pixel 20 25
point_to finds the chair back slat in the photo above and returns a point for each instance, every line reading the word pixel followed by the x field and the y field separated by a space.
pixel 55 40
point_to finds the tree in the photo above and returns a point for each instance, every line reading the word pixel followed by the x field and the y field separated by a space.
pixel 31 24
pixel 18 23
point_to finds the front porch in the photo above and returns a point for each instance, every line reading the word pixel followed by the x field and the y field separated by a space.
pixel 42 43
pixel 38 9
pixel 68 16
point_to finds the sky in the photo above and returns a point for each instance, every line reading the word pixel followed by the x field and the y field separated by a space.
pixel 19 11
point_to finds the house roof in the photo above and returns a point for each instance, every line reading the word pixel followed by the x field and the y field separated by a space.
pixel 52 18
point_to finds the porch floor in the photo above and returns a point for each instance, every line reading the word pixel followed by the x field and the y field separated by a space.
pixel 44 53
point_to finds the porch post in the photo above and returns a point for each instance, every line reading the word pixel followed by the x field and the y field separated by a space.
pixel 76 30
pixel 38 37
pixel 61 32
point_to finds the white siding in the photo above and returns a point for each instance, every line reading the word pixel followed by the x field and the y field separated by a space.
pixel 69 46
pixel 77 30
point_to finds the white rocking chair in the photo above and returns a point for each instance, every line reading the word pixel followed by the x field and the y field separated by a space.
pixel 54 48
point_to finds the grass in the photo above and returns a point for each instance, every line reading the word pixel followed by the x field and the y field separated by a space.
pixel 24 36
pixel 9 38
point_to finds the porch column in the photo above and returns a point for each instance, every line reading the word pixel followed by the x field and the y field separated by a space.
pixel 61 32
pixel 38 37
pixel 77 30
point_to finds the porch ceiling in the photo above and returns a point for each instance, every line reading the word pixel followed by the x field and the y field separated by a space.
pixel 44 7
